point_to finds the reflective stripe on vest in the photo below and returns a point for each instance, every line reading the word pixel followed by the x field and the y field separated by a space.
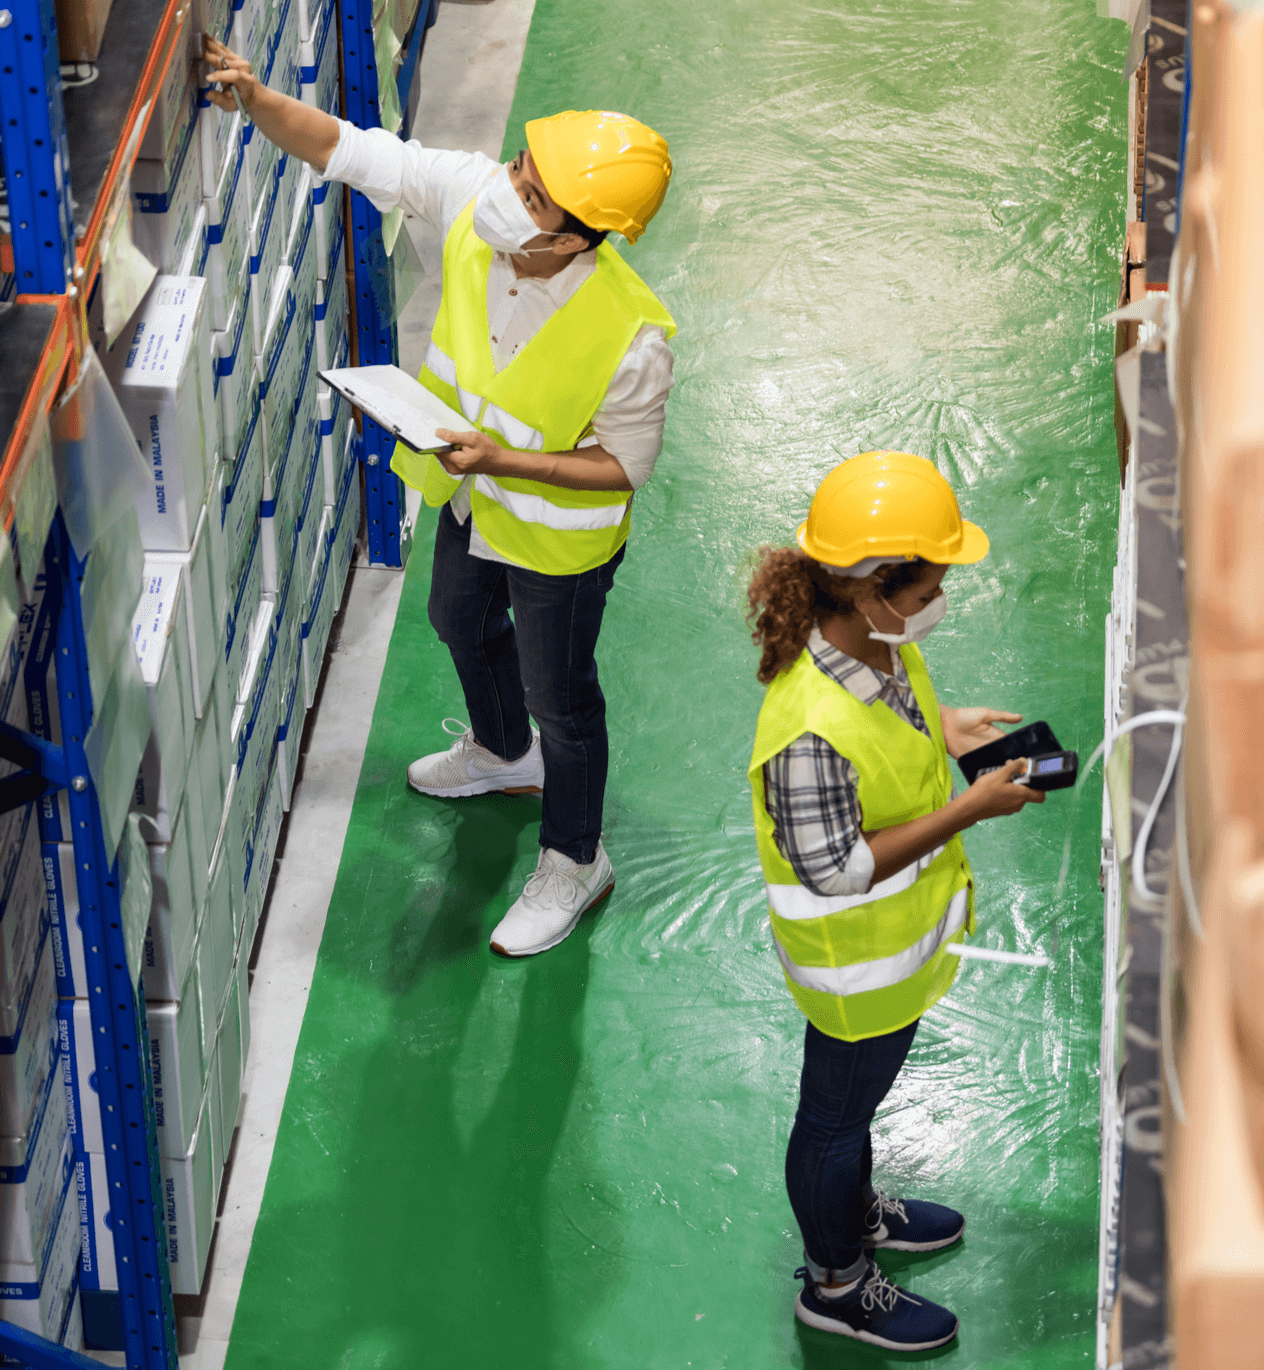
pixel 864 965
pixel 797 902
pixel 886 971
pixel 536 509
pixel 544 399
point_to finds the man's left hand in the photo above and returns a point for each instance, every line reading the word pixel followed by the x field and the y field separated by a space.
pixel 471 453
pixel 966 729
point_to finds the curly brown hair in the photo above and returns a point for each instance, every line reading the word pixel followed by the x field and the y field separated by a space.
pixel 788 590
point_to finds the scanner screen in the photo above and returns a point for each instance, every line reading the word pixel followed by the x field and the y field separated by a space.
pixel 1049 766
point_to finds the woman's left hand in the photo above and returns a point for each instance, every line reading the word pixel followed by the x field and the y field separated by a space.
pixel 966 729
pixel 470 454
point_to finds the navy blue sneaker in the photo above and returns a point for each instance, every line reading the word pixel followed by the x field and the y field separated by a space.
pixel 911 1225
pixel 876 1311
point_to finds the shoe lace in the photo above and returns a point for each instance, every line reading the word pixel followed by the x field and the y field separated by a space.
pixel 881 1294
pixel 459 730
pixel 571 889
pixel 886 1204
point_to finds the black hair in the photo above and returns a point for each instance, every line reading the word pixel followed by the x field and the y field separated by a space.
pixel 594 237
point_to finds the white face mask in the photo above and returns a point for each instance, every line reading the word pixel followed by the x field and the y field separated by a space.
pixel 916 626
pixel 501 219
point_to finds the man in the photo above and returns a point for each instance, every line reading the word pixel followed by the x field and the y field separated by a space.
pixel 556 353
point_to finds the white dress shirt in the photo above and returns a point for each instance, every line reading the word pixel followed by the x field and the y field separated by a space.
pixel 436 186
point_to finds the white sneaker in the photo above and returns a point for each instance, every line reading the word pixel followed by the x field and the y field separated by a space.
pixel 552 903
pixel 468 768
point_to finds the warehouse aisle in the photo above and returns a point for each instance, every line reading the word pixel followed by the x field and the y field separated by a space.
pixel 883 232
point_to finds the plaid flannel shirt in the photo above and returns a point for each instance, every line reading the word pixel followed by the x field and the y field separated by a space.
pixel 811 791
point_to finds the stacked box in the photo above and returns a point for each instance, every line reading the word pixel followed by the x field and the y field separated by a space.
pixel 228 229
pixel 161 389
pixel 329 228
pixel 337 439
pixel 318 60
pixel 216 374
pixel 167 188
pixel 233 354
pixel 332 341
pixel 267 248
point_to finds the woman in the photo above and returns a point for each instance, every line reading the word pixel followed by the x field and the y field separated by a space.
pixel 857 826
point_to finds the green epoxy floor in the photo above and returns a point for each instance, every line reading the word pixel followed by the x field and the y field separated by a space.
pixel 891 225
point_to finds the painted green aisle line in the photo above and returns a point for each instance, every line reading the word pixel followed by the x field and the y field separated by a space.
pixel 891 225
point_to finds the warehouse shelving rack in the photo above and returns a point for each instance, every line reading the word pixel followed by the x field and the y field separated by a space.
pixel 68 155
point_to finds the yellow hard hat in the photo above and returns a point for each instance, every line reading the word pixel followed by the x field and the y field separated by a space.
pixel 609 170
pixel 888 504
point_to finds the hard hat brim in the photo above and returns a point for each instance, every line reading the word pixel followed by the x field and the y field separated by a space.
pixel 974 547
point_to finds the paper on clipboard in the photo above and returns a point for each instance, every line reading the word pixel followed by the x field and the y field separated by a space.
pixel 400 404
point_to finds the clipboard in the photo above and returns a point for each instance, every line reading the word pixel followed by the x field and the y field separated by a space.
pixel 402 405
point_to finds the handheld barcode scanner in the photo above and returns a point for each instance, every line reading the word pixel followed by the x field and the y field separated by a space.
pixel 1049 765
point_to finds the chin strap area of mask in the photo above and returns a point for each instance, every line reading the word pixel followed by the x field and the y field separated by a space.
pixel 917 626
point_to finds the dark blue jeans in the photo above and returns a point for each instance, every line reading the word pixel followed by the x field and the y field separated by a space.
pixel 830 1157
pixel 539 662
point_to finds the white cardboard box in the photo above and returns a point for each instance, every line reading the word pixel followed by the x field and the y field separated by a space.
pixel 288 170
pixel 196 251
pixel 236 387
pixel 319 612
pixel 211 775
pixel 219 133
pixel 204 631
pixel 176 1061
pixel 173 105
pixel 219 540
pixel 327 202
pixel 188 1204
pixel 245 595
pixel 160 394
pixel 29 1053
pixel 318 61
pixel 217 936
pixel 42 1296
pixel 242 998
pixel 301 250
pixel 70 967
pixel 159 617
pixel 33 1169
pixel 260 857
pixel 267 248
pixel 172 927
pixel 24 920
pixel 331 321
pixel 230 1068
pixel 228 230
pixel 242 496
pixel 290 729
pixel 286 477
pixel 282 49
pixel 167 191
pixel 279 361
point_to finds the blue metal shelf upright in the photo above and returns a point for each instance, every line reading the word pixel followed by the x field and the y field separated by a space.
pixel 376 335
pixel 56 242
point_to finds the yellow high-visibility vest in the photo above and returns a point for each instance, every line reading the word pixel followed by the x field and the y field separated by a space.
pixel 862 965
pixel 544 400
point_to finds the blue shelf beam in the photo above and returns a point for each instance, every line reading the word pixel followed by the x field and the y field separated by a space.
pixel 17 1344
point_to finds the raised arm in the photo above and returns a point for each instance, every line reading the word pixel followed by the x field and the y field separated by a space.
pixel 295 128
